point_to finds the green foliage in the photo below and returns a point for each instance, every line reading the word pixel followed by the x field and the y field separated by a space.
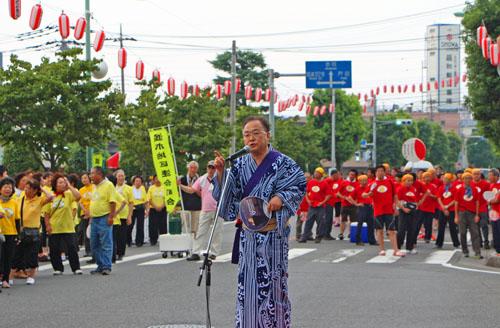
pixel 17 159
pixel 198 127
pixel 442 148
pixel 481 153
pixel 350 126
pixel 45 107
pixel 484 82
pixel 76 159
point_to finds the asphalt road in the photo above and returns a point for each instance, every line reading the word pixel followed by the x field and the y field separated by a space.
pixel 332 284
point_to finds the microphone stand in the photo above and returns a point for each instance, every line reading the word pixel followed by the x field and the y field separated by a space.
pixel 207 262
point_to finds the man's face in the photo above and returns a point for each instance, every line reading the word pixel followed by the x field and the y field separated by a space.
pixel 476 175
pixel 318 175
pixel 255 136
pixel 352 175
pixel 380 173
pixel 210 171
pixel 467 180
pixel 95 177
pixel 492 178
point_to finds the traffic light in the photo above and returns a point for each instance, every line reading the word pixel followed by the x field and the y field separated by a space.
pixel 404 122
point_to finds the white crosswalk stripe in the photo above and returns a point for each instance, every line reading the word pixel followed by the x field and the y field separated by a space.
pixel 296 252
pixel 125 259
pixel 161 261
pixel 339 256
pixel 440 257
pixel 388 258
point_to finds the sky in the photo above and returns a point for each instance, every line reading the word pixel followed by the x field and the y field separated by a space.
pixel 384 39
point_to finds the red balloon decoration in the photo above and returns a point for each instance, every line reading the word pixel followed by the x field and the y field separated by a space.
pixel 64 25
pixel 15 8
pixel 139 70
pixel 171 86
pixel 99 40
pixel 80 26
pixel 36 16
pixel 122 58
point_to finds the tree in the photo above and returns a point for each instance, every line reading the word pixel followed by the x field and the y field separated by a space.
pixel 484 82
pixel 45 107
pixel 17 159
pixel 481 153
pixel 252 69
pixel 350 126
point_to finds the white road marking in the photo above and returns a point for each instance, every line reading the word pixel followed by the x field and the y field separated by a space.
pixel 451 266
pixel 387 259
pixel 125 259
pixel 296 252
pixel 46 267
pixel 161 261
pixel 340 256
pixel 220 258
pixel 440 257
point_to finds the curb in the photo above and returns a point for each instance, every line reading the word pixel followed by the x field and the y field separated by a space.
pixel 493 261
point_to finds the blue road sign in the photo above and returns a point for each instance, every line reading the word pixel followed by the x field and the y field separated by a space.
pixel 328 74
pixel 363 143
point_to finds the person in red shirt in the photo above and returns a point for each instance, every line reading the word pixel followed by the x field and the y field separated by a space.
pixel 333 183
pixel 427 207
pixel 481 186
pixel 467 215
pixel 383 192
pixel 365 210
pixel 493 177
pixel 302 212
pixel 316 196
pixel 446 200
pixel 434 178
pixel 407 199
pixel 346 193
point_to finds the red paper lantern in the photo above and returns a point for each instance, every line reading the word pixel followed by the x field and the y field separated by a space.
pixel 485 46
pixel 308 109
pixel 494 54
pixel 450 82
pixel 184 90
pixel 481 34
pixel 457 80
pixel 171 86
pixel 139 70
pixel 275 97
pixel 258 94
pixel 385 88
pixel 36 16
pixel 248 92
pixel 378 91
pixel 309 99
pixel 366 97
pixel 399 89
pixel 218 91
pixel 99 40
pixel 15 8
pixel 294 100
pixel 64 25
pixel 304 99
pixel 122 58
pixel 421 87
pixel 196 90
pixel 436 85
pixel 405 88
pixel 227 87
pixel 156 76
pixel 443 85
pixel 413 88
pixel 80 26
pixel 316 110
pixel 238 85
pixel 301 106
pixel 268 95
pixel 359 96
pixel 372 93
pixel 429 85
pixel 392 89
pixel 331 108
pixel 464 78
pixel 364 108
pixel 323 110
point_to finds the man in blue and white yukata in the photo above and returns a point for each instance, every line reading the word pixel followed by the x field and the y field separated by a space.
pixel 262 296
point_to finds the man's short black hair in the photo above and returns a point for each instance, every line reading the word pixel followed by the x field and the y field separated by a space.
pixel 380 167
pixel 353 170
pixel 99 170
pixel 262 121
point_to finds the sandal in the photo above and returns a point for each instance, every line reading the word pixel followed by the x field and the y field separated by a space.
pixel 381 253
pixel 5 284
pixel 399 253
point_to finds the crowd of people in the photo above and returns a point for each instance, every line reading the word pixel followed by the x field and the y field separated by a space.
pixel 49 216
pixel 408 206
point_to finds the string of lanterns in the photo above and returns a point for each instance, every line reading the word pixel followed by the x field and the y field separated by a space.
pixel 489 48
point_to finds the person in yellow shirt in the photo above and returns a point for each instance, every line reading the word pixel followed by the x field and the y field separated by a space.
pixel 140 211
pixel 120 205
pixel 103 205
pixel 86 195
pixel 46 184
pixel 60 225
pixel 9 227
pixel 125 215
pixel 157 211
pixel 26 253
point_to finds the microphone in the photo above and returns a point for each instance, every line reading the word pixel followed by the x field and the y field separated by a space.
pixel 239 153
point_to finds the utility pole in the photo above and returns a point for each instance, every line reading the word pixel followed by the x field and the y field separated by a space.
pixel 271 104
pixel 88 56
pixel 374 136
pixel 232 115
pixel 122 70
pixel 333 158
